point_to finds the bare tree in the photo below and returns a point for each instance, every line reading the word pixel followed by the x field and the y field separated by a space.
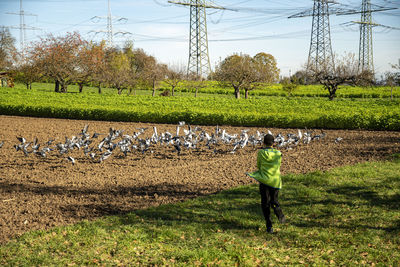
pixel 345 72
pixel 196 81
pixel 174 77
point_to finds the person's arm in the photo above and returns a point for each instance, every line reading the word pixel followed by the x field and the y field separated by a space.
pixel 258 160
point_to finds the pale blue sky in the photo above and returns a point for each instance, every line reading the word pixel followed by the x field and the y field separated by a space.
pixel 162 29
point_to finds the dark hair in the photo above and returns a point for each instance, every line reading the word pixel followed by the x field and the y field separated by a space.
pixel 269 140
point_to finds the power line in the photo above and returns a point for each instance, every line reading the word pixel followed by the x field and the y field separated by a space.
pixel 22 26
pixel 365 53
pixel 199 59
pixel 110 31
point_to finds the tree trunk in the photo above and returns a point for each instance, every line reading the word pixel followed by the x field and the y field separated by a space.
pixel 246 94
pixel 119 90
pixel 154 88
pixel 237 92
pixel 80 87
pixel 196 91
pixel 30 86
pixel 391 93
pixel 99 88
pixel 173 90
pixel 64 87
pixel 57 87
pixel 332 95
pixel 27 86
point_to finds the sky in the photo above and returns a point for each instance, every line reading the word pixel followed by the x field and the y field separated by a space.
pixel 162 29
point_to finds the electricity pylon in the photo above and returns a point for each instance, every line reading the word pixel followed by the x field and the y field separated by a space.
pixel 365 53
pixel 199 59
pixel 22 26
pixel 110 33
pixel 320 56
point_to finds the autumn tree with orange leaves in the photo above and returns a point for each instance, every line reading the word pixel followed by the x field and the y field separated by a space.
pixel 61 58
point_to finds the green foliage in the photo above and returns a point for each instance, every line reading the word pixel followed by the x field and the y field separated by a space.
pixel 301 91
pixel 348 216
pixel 373 114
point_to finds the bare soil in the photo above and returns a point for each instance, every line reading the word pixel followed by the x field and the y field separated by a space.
pixel 39 193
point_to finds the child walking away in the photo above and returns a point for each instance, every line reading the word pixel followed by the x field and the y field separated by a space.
pixel 269 176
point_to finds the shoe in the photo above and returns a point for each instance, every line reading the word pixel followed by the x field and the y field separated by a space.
pixel 270 230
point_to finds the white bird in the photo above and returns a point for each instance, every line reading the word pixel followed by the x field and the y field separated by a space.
pixel 337 140
pixel 299 134
pixel 71 159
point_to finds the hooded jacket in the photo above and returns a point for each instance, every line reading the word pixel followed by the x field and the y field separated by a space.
pixel 268 164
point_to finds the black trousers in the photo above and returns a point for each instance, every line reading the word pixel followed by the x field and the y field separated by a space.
pixel 269 199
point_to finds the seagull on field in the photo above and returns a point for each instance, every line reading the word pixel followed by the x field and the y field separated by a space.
pixel 71 159
pixel 337 140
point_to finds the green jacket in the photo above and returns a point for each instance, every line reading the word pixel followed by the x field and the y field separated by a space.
pixel 268 164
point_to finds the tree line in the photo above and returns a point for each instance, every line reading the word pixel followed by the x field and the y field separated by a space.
pixel 70 59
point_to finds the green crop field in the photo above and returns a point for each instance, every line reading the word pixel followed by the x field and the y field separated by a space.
pixel 212 87
pixel 206 109
pixel 348 217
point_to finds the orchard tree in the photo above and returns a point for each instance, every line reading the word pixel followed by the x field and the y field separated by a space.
pixel 7 49
pixel 245 72
pixel 118 69
pixel 267 67
pixel 346 71
pixel 196 82
pixel 90 64
pixel 390 80
pixel 152 72
pixel 396 68
pixel 393 78
pixel 26 70
pixel 174 77
pixel 238 71
pixel 289 86
pixel 60 58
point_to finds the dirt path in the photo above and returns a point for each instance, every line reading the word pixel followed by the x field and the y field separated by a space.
pixel 38 193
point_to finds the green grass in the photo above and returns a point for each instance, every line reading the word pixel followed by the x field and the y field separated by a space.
pixel 207 109
pixel 349 216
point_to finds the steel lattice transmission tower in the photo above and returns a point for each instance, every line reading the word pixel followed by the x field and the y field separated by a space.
pixel 199 59
pixel 320 55
pixel 22 26
pixel 109 32
pixel 365 53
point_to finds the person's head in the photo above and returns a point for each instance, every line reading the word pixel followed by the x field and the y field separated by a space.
pixel 269 140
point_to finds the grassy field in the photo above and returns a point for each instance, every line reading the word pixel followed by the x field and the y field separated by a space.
pixel 206 109
pixel 348 216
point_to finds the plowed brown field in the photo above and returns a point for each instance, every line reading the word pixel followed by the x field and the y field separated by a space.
pixel 38 193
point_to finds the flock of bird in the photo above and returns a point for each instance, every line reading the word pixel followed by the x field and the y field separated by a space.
pixel 188 138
